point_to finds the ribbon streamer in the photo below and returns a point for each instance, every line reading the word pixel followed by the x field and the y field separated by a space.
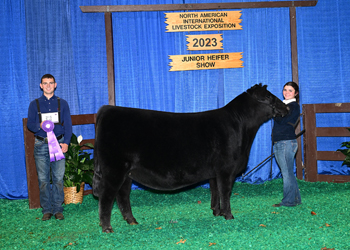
pixel 54 147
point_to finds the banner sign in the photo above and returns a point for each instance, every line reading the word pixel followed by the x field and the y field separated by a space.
pixel 199 21
pixel 206 61
pixel 204 42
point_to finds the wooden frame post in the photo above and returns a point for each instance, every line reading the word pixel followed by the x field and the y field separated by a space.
pixel 295 78
pixel 110 58
pixel 32 176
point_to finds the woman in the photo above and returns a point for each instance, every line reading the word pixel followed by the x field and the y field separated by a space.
pixel 285 145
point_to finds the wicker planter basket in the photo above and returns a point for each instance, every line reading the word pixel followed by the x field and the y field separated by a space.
pixel 71 195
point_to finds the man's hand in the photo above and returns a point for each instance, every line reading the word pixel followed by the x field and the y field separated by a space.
pixel 64 147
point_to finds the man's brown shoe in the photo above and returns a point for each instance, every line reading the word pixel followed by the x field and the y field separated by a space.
pixel 47 216
pixel 59 216
pixel 276 205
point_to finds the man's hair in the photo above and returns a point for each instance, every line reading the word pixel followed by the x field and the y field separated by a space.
pixel 48 76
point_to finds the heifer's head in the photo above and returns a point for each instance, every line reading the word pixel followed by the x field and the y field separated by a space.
pixel 262 95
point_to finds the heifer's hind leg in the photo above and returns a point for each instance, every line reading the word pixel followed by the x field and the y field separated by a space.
pixel 215 201
pixel 106 200
pixel 123 200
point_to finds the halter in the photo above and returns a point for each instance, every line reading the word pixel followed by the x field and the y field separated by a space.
pixel 272 105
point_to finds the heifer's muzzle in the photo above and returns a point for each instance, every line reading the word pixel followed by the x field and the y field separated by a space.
pixel 279 111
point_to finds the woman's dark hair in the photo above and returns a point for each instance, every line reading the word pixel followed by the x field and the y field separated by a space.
pixel 294 86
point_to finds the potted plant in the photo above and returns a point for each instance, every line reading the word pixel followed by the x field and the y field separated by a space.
pixel 346 152
pixel 79 170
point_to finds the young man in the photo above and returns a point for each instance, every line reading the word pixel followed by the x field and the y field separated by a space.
pixel 50 107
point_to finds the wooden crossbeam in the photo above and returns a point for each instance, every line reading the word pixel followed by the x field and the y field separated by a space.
pixel 196 6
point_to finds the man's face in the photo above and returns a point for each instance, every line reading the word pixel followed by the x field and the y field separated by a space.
pixel 48 86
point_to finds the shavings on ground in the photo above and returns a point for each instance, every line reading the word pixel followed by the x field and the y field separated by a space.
pixel 179 218
pixel 181 241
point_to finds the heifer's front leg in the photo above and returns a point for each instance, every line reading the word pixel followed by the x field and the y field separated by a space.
pixel 123 201
pixel 215 201
pixel 225 184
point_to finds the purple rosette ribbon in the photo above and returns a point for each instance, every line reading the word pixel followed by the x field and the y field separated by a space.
pixel 54 147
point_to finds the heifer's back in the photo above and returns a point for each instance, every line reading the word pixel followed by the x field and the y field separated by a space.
pixel 167 151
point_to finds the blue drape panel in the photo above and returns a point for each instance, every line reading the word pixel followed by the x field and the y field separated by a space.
pixel 49 49
pixel 89 46
pixel 14 97
pixel 43 36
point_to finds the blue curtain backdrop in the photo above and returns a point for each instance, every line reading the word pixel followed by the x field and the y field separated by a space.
pixel 14 98
pixel 324 61
pixel 43 36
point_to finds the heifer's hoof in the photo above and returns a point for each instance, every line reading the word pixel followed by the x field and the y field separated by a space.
pixel 132 222
pixel 229 217
pixel 216 212
pixel 108 230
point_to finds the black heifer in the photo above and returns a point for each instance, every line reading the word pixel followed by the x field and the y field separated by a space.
pixel 168 151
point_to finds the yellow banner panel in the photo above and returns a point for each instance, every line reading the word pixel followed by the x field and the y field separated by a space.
pixel 199 21
pixel 206 61
pixel 204 42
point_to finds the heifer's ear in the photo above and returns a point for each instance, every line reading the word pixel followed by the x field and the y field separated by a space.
pixel 261 86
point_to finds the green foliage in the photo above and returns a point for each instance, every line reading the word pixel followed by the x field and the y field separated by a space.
pixel 79 165
pixel 346 152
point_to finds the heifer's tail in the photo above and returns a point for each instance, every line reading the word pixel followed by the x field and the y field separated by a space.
pixel 96 181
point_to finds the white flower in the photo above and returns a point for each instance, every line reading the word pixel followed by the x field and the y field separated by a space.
pixel 80 138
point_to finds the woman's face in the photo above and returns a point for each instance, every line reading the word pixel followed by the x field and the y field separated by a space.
pixel 289 92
